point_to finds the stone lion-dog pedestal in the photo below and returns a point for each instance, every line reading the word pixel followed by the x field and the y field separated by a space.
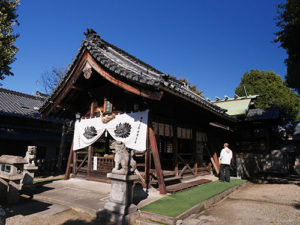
pixel 120 209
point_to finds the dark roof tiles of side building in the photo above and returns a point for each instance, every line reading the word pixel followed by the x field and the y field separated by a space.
pixel 13 103
pixel 122 64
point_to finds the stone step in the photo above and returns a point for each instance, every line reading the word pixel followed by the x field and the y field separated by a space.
pixel 146 222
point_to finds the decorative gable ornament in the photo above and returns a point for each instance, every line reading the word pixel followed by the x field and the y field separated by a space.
pixel 87 71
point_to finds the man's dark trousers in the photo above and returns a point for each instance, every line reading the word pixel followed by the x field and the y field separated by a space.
pixel 225 172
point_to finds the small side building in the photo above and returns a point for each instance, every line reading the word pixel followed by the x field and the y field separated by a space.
pixel 22 126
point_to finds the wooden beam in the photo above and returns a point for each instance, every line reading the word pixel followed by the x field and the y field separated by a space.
pixel 186 165
pixel 74 87
pixel 63 91
pixel 140 176
pixel 156 159
pixel 74 162
pixel 68 169
pixel 80 165
pixel 147 161
pixel 217 163
pixel 138 91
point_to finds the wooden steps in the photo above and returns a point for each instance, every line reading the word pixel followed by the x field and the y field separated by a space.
pixel 182 186
pixel 168 179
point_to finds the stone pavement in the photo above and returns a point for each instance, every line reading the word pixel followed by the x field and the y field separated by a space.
pixel 73 201
pixel 78 194
pixel 77 199
pixel 257 204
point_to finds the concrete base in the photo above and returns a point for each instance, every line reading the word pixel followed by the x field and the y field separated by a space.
pixel 107 217
pixel 121 194
pixel 120 209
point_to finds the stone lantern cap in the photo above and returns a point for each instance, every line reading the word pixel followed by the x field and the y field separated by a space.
pixel 11 159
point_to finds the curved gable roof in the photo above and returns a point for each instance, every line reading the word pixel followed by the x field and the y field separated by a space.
pixel 121 64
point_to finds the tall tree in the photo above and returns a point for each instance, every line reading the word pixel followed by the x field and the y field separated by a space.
pixel 289 38
pixel 276 94
pixel 8 19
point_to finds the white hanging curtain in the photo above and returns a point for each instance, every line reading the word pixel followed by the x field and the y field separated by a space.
pixel 129 128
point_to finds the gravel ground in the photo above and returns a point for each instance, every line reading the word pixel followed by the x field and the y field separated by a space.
pixel 257 204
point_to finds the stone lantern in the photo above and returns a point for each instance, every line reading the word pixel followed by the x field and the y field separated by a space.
pixel 11 174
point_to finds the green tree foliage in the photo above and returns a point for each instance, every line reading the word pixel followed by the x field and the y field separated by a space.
pixel 8 19
pixel 276 94
pixel 193 88
pixel 289 38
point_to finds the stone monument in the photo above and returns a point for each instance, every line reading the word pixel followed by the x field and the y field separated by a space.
pixel 120 209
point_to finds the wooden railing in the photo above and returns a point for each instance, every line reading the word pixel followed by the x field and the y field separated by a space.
pixel 105 164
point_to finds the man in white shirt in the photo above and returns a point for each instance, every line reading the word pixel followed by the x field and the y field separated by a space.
pixel 225 160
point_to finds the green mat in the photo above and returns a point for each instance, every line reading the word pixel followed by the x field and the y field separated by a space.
pixel 175 204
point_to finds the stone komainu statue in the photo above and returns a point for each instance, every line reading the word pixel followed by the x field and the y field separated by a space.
pixel 30 154
pixel 122 157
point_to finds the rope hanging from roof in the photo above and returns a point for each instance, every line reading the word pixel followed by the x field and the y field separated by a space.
pixel 106 119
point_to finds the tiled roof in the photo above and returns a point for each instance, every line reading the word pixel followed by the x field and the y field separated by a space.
pixel 235 107
pixel 123 65
pixel 262 114
pixel 18 104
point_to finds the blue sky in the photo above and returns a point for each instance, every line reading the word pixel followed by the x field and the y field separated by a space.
pixel 210 42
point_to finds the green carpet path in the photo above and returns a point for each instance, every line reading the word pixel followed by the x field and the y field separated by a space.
pixel 175 204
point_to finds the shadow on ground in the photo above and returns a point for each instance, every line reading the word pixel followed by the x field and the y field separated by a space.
pixel 26 207
pixel 82 222
pixel 139 194
pixel 297 205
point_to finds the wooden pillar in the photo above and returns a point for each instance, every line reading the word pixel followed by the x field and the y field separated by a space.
pixel 147 162
pixel 90 149
pixel 74 162
pixel 147 168
pixel 175 149
pixel 68 170
pixel 194 146
pixel 159 173
pixel 62 146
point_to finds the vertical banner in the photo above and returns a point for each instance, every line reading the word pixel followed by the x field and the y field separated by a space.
pixel 95 163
